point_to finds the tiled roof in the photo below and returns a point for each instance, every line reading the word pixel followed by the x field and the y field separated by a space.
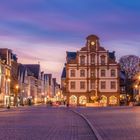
pixel 63 73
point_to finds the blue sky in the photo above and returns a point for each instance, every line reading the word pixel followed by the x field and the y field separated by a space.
pixel 43 30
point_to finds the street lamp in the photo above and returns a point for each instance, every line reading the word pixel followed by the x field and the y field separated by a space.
pixel 16 101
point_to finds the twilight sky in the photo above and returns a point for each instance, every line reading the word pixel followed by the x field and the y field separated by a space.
pixel 43 30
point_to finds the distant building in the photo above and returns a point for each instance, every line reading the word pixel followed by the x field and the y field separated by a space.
pixel 91 74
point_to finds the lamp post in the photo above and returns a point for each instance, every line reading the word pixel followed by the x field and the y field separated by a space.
pixel 8 88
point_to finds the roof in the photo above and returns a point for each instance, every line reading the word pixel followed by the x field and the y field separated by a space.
pixel 63 75
pixel 92 37
pixel 71 56
pixel 112 55
pixel 34 68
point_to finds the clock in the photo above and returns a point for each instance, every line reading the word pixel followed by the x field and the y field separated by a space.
pixel 92 43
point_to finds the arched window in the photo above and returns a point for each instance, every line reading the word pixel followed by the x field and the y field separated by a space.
pixel 73 100
pixel 113 100
pixel 103 100
pixel 102 58
pixel 82 100
pixel 82 73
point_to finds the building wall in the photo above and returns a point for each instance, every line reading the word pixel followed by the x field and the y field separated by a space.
pixel 88 92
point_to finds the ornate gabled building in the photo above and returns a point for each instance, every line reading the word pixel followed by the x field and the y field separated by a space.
pixel 91 73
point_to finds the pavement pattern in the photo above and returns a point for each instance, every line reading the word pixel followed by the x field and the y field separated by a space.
pixel 114 123
pixel 43 123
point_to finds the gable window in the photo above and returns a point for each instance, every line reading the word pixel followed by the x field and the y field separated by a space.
pixel 82 85
pixel 113 85
pixel 82 73
pixel 72 73
pixel 113 73
pixel 82 60
pixel 103 74
pixel 102 59
pixel 103 85
pixel 72 85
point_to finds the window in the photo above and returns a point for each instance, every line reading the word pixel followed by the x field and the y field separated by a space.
pixel 82 73
pixel 102 59
pixel 82 85
pixel 113 100
pixel 113 85
pixel 92 58
pixel 72 85
pixel 73 100
pixel 72 74
pixel 82 60
pixel 103 85
pixel 103 73
pixel 92 85
pixel 113 73
pixel 92 73
pixel 82 100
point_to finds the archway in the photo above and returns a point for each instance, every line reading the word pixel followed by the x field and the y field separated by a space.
pixel 73 100
pixel 82 100
pixel 113 100
pixel 103 100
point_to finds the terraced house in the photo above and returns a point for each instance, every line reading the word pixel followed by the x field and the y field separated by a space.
pixel 91 74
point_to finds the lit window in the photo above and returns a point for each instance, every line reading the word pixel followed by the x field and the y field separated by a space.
pixel 113 73
pixel 82 73
pixel 103 85
pixel 72 85
pixel 82 85
pixel 113 85
pixel 72 74
pixel 103 74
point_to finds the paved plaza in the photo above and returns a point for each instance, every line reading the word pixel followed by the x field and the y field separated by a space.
pixel 114 123
pixel 57 123
pixel 43 123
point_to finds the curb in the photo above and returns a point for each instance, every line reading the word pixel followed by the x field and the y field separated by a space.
pixel 90 125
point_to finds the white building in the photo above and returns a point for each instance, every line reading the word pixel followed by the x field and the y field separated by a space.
pixel 92 74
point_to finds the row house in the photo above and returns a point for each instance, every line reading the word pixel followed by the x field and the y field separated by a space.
pixel 91 74
pixel 5 74
pixel 34 86
pixel 29 79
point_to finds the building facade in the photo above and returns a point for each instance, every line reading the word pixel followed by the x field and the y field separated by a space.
pixel 92 75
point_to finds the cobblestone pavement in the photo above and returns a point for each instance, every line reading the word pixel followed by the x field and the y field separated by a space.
pixel 116 123
pixel 43 123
